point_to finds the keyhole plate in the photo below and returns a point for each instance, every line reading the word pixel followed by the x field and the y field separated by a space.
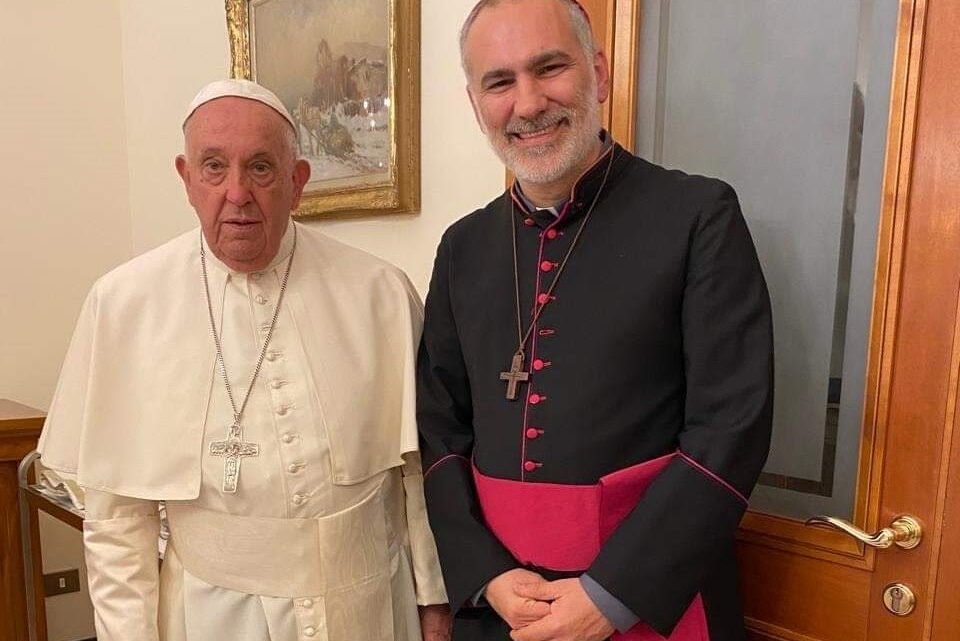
pixel 899 599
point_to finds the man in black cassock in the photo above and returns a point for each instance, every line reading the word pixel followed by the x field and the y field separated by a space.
pixel 596 370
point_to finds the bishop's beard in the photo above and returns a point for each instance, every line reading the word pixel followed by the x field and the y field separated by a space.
pixel 550 162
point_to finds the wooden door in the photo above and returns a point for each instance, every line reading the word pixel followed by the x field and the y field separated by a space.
pixel 803 583
pixel 615 24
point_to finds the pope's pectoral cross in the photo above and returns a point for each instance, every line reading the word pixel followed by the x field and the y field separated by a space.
pixel 233 449
pixel 515 376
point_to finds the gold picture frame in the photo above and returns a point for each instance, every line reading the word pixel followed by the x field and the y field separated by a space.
pixel 358 113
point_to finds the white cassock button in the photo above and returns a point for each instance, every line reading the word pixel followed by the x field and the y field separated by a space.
pixel 298 499
pixel 287 438
pixel 272 356
pixel 277 384
pixel 282 411
pixel 256 275
pixel 309 631
pixel 306 603
pixel 265 327
pixel 293 468
pixel 260 299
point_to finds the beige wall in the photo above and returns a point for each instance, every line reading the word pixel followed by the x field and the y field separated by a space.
pixel 460 172
pixel 89 126
pixel 167 57
pixel 63 176
pixel 65 217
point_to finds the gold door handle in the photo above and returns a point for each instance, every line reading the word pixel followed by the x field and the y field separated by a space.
pixel 905 531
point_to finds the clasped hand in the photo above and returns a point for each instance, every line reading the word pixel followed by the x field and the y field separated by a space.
pixel 541 610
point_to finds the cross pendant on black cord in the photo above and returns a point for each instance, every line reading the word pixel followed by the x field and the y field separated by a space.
pixel 515 376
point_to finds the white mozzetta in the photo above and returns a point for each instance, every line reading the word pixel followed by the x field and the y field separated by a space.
pixel 140 401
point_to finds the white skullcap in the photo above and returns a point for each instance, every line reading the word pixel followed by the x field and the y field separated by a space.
pixel 241 89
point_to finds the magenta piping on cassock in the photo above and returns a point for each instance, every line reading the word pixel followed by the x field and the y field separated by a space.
pixel 703 470
pixel 441 460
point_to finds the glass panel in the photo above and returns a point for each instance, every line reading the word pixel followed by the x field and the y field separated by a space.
pixel 787 100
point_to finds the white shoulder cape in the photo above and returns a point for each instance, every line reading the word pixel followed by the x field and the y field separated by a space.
pixel 128 413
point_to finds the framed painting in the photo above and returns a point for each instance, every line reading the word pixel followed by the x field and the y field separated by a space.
pixel 349 73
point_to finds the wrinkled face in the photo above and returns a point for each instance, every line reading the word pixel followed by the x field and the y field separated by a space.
pixel 243 179
pixel 534 91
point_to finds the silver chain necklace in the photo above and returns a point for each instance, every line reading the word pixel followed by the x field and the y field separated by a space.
pixel 234 449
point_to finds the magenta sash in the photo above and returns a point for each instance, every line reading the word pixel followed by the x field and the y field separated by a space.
pixel 561 527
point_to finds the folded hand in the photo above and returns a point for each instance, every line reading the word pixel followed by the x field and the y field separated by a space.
pixel 503 594
pixel 573 615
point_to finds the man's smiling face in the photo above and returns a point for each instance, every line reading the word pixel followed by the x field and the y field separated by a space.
pixel 534 90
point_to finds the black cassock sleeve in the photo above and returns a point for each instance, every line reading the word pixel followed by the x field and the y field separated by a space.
pixel 660 556
pixel 470 555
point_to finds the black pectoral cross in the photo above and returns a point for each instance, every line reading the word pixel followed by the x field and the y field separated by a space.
pixel 515 376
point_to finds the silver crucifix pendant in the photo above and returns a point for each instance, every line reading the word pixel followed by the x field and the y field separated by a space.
pixel 233 450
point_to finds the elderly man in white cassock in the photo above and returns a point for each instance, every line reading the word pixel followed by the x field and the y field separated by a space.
pixel 257 378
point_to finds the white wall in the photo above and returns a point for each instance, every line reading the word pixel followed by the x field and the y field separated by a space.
pixel 64 213
pixel 90 124
pixel 460 172
pixel 63 177
pixel 89 127
pixel 168 55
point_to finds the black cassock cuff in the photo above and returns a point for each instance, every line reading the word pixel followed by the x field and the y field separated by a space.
pixel 663 553
pixel 470 555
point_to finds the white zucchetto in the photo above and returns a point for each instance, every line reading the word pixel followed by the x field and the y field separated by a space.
pixel 241 89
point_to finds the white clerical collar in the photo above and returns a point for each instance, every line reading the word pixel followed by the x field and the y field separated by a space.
pixel 286 246
pixel 552 210
pixel 555 210
pixel 607 142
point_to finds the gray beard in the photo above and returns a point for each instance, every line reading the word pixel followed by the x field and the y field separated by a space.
pixel 531 166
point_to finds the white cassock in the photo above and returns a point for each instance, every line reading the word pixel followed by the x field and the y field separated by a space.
pixel 327 535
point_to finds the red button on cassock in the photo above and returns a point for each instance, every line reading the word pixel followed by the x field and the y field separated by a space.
pixel 538 364
pixel 532 432
pixel 552 234
pixel 530 466
pixel 535 398
pixel 528 222
pixel 543 299
pixel 546 266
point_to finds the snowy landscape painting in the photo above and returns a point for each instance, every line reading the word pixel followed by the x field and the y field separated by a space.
pixel 333 63
pixel 328 62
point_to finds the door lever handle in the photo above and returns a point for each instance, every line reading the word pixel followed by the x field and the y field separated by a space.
pixel 905 531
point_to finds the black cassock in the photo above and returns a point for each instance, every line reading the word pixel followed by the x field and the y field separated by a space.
pixel 654 353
